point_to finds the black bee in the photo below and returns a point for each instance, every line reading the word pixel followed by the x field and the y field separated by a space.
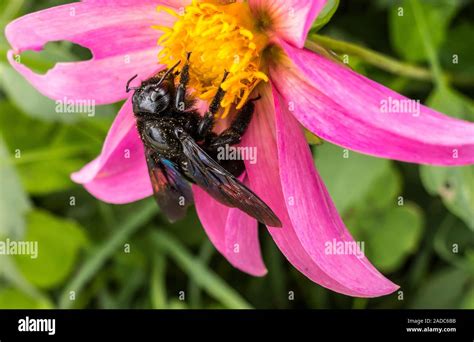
pixel 181 148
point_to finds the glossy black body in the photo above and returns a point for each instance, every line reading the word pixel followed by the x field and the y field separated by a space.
pixel 181 147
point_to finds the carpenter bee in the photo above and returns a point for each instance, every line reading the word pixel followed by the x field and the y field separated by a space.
pixel 181 147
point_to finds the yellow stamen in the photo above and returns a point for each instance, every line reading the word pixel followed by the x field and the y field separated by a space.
pixel 220 37
pixel 167 10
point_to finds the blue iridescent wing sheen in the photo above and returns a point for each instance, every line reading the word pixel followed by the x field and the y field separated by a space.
pixel 171 191
pixel 222 185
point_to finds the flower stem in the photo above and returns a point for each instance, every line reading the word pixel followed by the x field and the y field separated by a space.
pixel 198 271
pixel 92 265
pixel 381 61
pixel 425 34
pixel 205 253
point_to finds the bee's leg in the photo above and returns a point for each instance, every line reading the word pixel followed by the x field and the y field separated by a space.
pixel 233 134
pixel 207 122
pixel 181 89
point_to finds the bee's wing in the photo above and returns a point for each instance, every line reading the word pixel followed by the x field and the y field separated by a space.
pixel 222 185
pixel 171 190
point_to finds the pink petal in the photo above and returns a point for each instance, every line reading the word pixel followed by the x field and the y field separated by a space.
pixel 119 34
pixel 290 19
pixel 242 243
pixel 119 174
pixel 169 3
pixel 265 180
pixel 347 109
pixel 232 232
pixel 311 210
pixel 213 217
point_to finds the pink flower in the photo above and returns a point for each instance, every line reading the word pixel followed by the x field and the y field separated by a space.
pixel 305 89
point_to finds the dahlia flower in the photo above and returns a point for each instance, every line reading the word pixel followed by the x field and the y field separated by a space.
pixel 261 44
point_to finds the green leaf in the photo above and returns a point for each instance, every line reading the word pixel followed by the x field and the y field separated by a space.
pixel 468 300
pixel 206 251
pixel 158 285
pixel 24 96
pixel 451 102
pixel 143 212
pixel 51 54
pixel 193 237
pixel 28 99
pixel 443 290
pixel 348 175
pixel 49 176
pixel 455 185
pixel 459 45
pixel 391 234
pixel 404 34
pixel 176 304
pixel 58 240
pixel 47 153
pixel 15 133
pixel 277 276
pixel 13 299
pixel 383 190
pixel 9 10
pixel 325 15
pixel 311 138
pixel 460 235
pixel 14 202
pixel 199 272
pixel 454 243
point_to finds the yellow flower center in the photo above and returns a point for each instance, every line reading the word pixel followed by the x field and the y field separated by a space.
pixel 220 37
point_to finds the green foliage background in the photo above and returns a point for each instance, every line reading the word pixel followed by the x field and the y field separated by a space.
pixel 417 221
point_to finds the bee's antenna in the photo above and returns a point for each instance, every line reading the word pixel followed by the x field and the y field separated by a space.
pixel 169 71
pixel 256 98
pixel 127 88
pixel 226 73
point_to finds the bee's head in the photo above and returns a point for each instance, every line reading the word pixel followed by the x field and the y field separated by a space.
pixel 154 95
pixel 152 98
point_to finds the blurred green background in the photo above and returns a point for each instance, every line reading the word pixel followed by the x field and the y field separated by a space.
pixel 417 221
